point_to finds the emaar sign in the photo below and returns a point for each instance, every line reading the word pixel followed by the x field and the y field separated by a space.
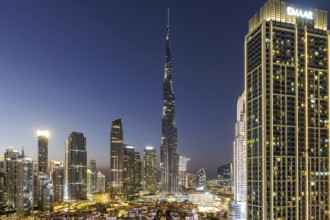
pixel 299 13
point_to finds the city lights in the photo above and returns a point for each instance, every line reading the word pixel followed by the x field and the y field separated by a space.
pixel 43 133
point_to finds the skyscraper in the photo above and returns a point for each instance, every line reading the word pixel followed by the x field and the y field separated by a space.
pixel 57 177
pixel 169 165
pixel 200 179
pixel 116 157
pixel 24 186
pixel 225 174
pixel 150 170
pixel 137 172
pixel 89 182
pixel 287 113
pixel 239 165
pixel 76 167
pixel 128 174
pixel 101 182
pixel 43 151
pixel 10 164
pixel 19 182
pixel 45 193
pixel 183 160
pixel 93 175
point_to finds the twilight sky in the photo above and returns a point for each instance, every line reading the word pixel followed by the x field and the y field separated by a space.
pixel 78 65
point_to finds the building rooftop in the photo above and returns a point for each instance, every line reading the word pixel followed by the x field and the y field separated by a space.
pixel 282 11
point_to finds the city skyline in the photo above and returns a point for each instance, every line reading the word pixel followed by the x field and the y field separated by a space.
pixel 24 109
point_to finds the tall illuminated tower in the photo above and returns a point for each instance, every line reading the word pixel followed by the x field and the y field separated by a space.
pixel 183 160
pixel 57 178
pixel 116 157
pixel 169 166
pixel 287 113
pixel 149 170
pixel 43 151
pixel 76 167
pixel 128 174
pixel 101 182
pixel 239 164
pixel 92 165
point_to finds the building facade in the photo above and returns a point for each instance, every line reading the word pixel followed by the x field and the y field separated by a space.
pixel 183 160
pixel 200 179
pixel 24 189
pixel 75 167
pixel 116 157
pixel 92 166
pixel 137 173
pixel 150 170
pixel 225 174
pixel 129 174
pixel 101 182
pixel 239 164
pixel 169 164
pixel 57 178
pixel 45 193
pixel 191 180
pixel 43 151
pixel 89 182
pixel 287 113
pixel 10 166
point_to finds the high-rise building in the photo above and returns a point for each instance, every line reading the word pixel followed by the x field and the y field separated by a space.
pixel 150 170
pixel 75 167
pixel 89 182
pixel 191 180
pixel 101 182
pixel 116 157
pixel 137 173
pixel 287 113
pixel 169 164
pixel 183 160
pixel 18 193
pixel 24 189
pixel 239 165
pixel 200 179
pixel 35 185
pixel 92 166
pixel 43 151
pixel 45 193
pixel 225 174
pixel 129 157
pixel 57 178
pixel 10 166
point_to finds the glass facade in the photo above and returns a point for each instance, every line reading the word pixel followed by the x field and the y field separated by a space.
pixel 116 157
pixel 76 166
pixel 43 154
pixel 150 170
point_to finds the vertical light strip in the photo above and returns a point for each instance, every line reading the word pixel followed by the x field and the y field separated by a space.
pixel 246 128
pixel 264 151
pixel 306 121
pixel 271 143
pixel 297 120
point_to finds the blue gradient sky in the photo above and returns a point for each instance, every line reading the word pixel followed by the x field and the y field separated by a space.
pixel 79 65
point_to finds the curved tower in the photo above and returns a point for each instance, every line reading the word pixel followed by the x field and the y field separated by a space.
pixel 169 157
